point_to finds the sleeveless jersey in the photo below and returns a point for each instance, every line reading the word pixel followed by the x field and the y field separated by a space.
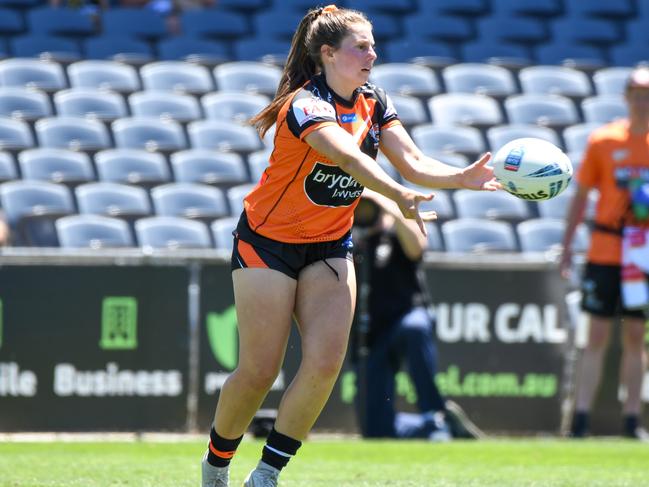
pixel 302 196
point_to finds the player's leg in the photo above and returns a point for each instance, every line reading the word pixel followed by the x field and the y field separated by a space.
pixel 633 368
pixel 324 308
pixel 264 300
pixel 589 371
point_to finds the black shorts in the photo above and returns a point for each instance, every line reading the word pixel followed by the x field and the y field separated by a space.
pixel 601 291
pixel 253 250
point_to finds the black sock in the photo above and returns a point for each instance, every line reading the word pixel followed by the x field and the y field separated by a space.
pixel 630 424
pixel 579 426
pixel 279 449
pixel 221 450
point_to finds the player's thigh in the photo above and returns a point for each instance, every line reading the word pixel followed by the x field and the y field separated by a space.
pixel 264 299
pixel 633 332
pixel 325 306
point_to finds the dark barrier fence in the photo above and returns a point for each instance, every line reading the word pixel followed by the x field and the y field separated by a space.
pixel 131 341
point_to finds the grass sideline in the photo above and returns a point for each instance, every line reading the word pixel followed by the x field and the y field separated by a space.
pixel 338 463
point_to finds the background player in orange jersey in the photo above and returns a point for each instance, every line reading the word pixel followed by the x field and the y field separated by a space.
pixel 616 161
pixel 292 248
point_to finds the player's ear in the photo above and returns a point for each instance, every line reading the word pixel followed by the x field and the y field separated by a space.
pixel 326 51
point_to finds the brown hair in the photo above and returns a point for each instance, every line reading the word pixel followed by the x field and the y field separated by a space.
pixel 328 25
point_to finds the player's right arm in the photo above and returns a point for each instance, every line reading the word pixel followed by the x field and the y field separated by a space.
pixel 340 147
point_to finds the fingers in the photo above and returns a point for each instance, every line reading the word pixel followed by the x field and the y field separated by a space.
pixel 421 224
pixel 428 216
pixel 492 185
pixel 484 159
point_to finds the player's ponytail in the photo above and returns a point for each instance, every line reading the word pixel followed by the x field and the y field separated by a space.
pixel 326 25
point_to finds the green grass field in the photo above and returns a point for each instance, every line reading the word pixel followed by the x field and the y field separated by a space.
pixel 351 462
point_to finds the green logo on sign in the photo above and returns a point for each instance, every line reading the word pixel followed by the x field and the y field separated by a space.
pixel 222 334
pixel 119 323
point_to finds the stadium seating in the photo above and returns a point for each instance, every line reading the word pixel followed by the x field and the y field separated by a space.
pixel 177 76
pixel 93 231
pixel 478 235
pixel 24 103
pixel 490 205
pixel 189 200
pixel 87 102
pixel 172 233
pixel 542 234
pixel 223 135
pixel 7 168
pixel 32 73
pixel 164 104
pixel 406 79
pixel 108 75
pixel 432 138
pixel 56 165
pixel 235 106
pixel 148 133
pixel 132 166
pixel 15 134
pixel 74 133
pixel 479 78
pixel 465 109
pixel 222 232
pixel 209 167
pixel 112 199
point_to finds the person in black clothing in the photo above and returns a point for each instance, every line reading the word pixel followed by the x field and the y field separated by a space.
pixel 398 328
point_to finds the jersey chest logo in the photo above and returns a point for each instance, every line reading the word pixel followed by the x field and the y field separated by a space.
pixel 331 186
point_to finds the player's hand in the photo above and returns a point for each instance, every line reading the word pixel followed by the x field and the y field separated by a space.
pixel 565 264
pixel 480 176
pixel 409 206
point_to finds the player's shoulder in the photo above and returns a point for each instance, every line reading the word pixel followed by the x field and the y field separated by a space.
pixel 612 131
pixel 312 101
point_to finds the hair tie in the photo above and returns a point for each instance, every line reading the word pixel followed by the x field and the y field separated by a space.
pixel 329 8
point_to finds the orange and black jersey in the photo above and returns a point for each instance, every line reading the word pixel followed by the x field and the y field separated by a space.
pixel 302 196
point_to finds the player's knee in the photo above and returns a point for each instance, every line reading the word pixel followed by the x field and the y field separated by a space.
pixel 327 365
pixel 259 377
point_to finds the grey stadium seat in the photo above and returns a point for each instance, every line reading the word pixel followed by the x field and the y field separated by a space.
pixel 15 134
pixel 444 138
pixel 223 136
pixel 32 73
pixel 177 76
pixel 464 109
pixel 132 166
pixel 148 133
pixel 222 232
pixel 557 80
pixel 112 199
pixel 88 102
pixel 491 205
pixel 548 110
pixel 604 108
pixel 248 76
pixel 406 79
pixel 485 79
pixel 209 167
pixel 189 200
pixel 164 104
pixel 72 133
pixel 172 233
pixel 235 106
pixel 500 135
pixel 56 165
pixel 24 103
pixel 104 74
pixel 542 234
pixel 93 231
pixel 478 235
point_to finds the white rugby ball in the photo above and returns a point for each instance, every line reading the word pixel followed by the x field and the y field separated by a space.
pixel 532 169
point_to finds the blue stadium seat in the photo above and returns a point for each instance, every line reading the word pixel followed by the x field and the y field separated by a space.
pixel 61 21
pixel 448 138
pixel 548 110
pixel 214 23
pixel 33 73
pixel 611 81
pixel 429 53
pixel 248 76
pixel 468 8
pixel 7 167
pixel 234 106
pixel 479 78
pixel 571 30
pixel 177 76
pixel 619 9
pixel 45 47
pixel 604 108
pixel 190 200
pixel 172 233
pixel 576 136
pixel 24 103
pixel 579 56
pixel 132 166
pixel 544 234
pixel 395 7
pixel 148 133
pixel 11 22
pixel 406 79
pixel 384 27
pixel 133 22
pixel 522 30
pixel 31 207
pixel 447 28
pixel 222 232
pixel 499 53
pixel 92 103
pixel 74 133
pixel 243 5
pixel 112 199
pixel 107 75
pixel 465 109
pixel 164 104
pixel 15 134
pixel 21 5
pixel 478 236
pixel 491 205
pixel 93 231
pixel 629 55
pixel 209 167
pixel 411 110
pixel 200 51
pixel 558 80
pixel 269 51
pixel 223 135
pixel 273 24
pixel 500 135
pixel 56 165
pixel 235 196
pixel 119 48
pixel 533 8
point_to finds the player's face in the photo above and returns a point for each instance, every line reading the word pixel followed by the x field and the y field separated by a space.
pixel 353 60
pixel 638 101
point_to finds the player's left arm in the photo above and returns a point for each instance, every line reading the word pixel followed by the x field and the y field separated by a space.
pixel 420 169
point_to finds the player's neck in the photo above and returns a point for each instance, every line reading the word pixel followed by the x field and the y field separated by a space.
pixel 638 125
